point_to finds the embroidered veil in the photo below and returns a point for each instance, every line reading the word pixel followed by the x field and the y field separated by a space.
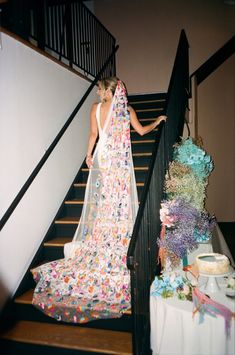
pixel 110 203
pixel 93 281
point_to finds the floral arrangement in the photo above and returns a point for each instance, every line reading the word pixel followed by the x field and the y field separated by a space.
pixel 189 154
pixel 183 228
pixel 204 227
pixel 230 287
pixel 185 222
pixel 231 283
pixel 182 182
pixel 169 285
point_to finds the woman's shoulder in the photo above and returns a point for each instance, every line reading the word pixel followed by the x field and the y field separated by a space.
pixel 94 106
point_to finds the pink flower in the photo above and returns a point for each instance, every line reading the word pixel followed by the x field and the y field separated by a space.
pixel 165 218
pixel 186 290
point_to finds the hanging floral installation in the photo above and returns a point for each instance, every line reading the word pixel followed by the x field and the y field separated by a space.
pixel 189 154
pixel 185 222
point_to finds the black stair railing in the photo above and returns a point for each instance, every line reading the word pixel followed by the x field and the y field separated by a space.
pixel 214 61
pixel 204 71
pixel 48 152
pixel 66 29
pixel 142 253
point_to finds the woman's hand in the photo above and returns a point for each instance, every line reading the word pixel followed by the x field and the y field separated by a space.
pixel 160 119
pixel 89 161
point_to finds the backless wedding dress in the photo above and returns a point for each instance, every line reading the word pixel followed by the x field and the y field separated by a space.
pixel 93 281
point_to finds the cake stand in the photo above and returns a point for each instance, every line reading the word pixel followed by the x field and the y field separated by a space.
pixel 211 285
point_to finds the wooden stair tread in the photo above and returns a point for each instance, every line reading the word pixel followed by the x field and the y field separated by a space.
pixel 143 141
pixel 136 168
pixel 68 220
pixel 154 130
pixel 147 119
pixel 145 102
pixel 75 202
pixel 65 336
pixel 142 154
pixel 138 184
pixel 57 242
pixel 26 298
pixel 149 109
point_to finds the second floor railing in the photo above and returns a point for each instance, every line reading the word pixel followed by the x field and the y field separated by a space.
pixel 66 29
pixel 142 253
pixel 203 72
pixel 214 61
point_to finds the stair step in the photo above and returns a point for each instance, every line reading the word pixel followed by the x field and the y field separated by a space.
pixel 135 98
pixel 75 202
pixel 136 168
pixel 57 242
pixel 80 184
pixel 68 337
pixel 143 141
pixel 154 130
pixel 145 101
pixel 26 298
pixel 149 119
pixel 142 154
pixel 148 109
pixel 138 184
pixel 68 220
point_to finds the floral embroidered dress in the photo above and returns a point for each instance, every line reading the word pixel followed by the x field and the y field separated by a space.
pixel 93 281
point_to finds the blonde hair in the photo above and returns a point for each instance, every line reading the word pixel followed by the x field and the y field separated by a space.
pixel 109 83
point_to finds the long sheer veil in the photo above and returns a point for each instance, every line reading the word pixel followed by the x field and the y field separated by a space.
pixel 110 203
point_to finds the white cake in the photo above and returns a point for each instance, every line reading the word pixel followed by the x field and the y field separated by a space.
pixel 213 263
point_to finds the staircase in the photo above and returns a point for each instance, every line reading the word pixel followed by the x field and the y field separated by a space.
pixel 25 330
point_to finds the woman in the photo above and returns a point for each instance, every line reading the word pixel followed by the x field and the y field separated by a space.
pixel 92 281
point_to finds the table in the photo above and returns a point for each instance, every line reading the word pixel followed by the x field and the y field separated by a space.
pixel 175 332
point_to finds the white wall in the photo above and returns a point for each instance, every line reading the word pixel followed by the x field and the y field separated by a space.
pixel 37 95
pixel 148 32
pixel 216 119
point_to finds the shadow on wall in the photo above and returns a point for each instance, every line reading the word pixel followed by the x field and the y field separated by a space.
pixel 4 295
pixel 5 321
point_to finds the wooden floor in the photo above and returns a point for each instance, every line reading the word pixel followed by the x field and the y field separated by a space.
pixel 75 338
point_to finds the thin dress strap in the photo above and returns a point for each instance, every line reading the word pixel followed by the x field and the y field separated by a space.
pixel 98 117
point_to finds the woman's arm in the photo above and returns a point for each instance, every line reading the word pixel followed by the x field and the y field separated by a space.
pixel 92 135
pixel 142 130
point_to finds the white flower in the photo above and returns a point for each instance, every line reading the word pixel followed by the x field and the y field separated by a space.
pixel 194 282
pixel 186 289
pixel 231 283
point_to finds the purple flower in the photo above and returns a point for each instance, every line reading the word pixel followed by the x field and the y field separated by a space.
pixel 189 223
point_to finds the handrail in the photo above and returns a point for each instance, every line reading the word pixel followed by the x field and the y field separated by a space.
pixel 214 61
pixel 183 39
pixel 37 169
pixel 142 251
